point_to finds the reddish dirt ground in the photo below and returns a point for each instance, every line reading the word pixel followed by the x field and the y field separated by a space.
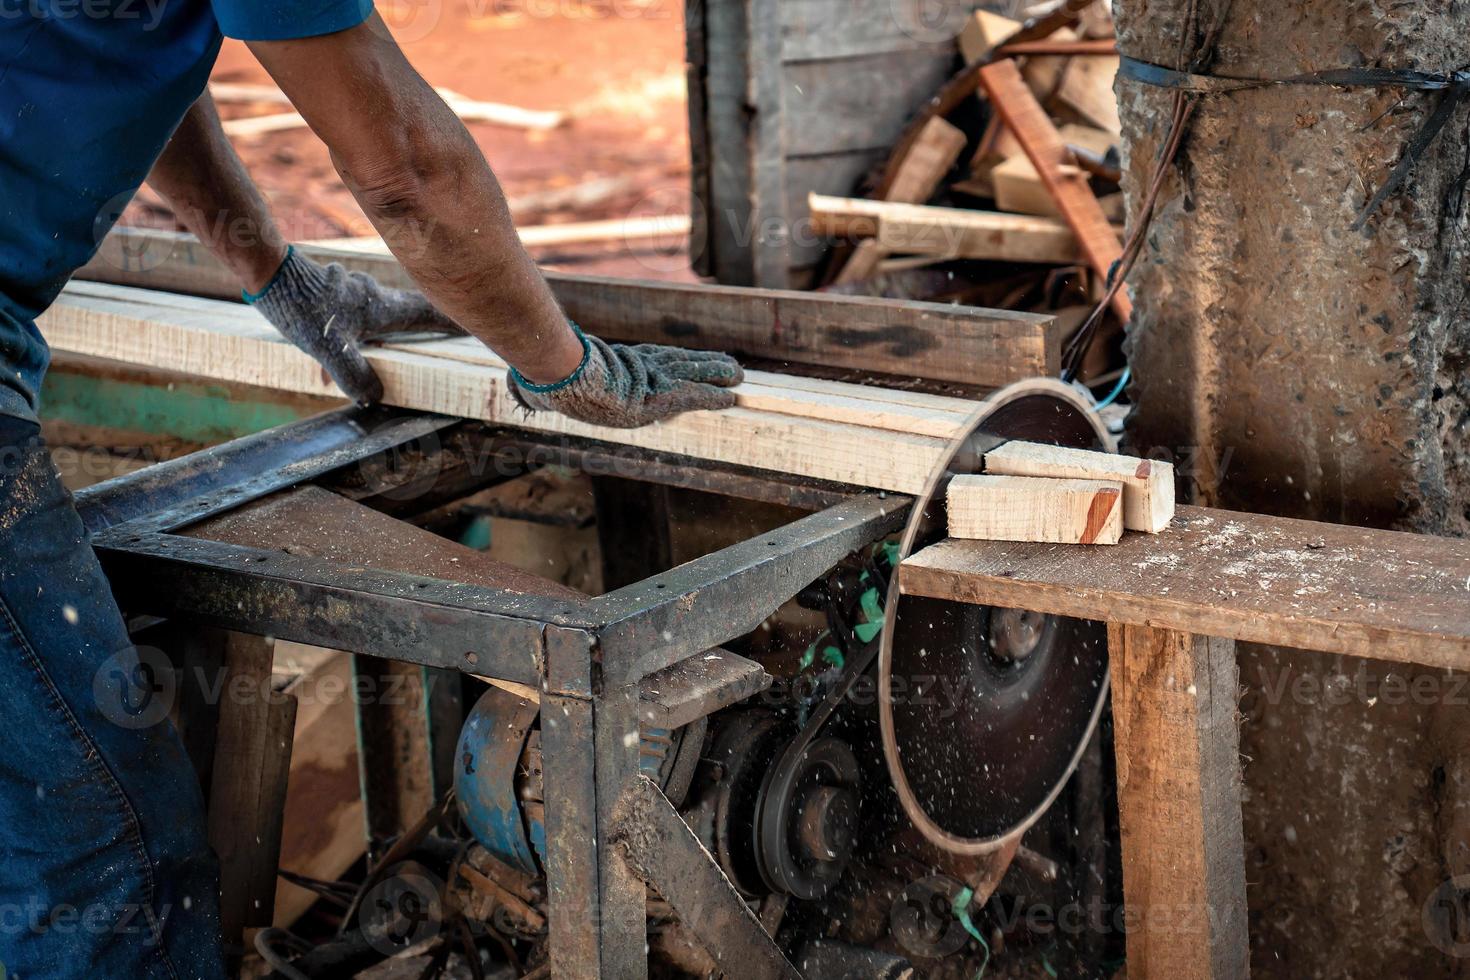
pixel 615 67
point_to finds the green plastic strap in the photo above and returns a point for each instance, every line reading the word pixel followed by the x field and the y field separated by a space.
pixel 961 910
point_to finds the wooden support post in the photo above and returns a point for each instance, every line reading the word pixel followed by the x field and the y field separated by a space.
pixel 398 745
pixel 1177 745
pixel 247 794
pixel 571 837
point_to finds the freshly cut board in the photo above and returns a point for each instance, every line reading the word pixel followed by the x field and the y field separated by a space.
pixel 1148 484
pixel 854 434
pixel 1023 508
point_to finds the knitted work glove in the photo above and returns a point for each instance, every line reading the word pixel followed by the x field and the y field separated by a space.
pixel 330 313
pixel 630 386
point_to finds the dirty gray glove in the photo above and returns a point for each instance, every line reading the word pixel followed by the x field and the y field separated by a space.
pixel 625 387
pixel 330 312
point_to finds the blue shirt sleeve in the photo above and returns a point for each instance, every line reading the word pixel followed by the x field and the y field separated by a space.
pixel 287 20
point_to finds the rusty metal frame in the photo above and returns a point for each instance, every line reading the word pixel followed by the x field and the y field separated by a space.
pixel 587 657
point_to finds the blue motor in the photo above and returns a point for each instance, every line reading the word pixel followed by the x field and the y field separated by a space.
pixel 497 774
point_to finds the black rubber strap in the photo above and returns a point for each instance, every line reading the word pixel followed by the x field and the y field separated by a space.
pixel 1455 85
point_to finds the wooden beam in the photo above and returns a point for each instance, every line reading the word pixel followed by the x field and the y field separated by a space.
pixel 230 342
pixel 950 232
pixel 627 230
pixel 924 164
pixel 1018 508
pixel 1148 485
pixel 1034 130
pixel 1179 788
pixel 936 341
pixel 469 110
pixel 248 784
pixel 1386 595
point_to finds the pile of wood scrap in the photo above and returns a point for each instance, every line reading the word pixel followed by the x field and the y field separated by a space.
pixel 1009 177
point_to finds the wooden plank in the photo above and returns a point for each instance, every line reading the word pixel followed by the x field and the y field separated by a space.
pixel 1148 484
pixel 951 232
pixel 926 161
pixel 879 408
pixel 1019 508
pixel 248 784
pixel 938 341
pixel 667 227
pixel 469 110
pixel 748 237
pixel 896 410
pixel 229 342
pixel 1380 594
pixel 1179 788
pixel 1033 129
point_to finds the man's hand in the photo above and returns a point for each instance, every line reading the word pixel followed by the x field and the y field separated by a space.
pixel 330 312
pixel 625 387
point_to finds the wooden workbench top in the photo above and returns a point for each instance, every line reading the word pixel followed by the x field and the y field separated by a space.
pixel 1382 594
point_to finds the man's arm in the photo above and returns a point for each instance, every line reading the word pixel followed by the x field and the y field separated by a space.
pixel 324 310
pixel 425 186
pixel 205 183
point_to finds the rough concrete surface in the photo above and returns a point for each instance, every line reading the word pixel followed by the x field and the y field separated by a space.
pixel 1295 367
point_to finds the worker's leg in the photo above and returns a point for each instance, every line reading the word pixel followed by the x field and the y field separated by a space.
pixel 105 870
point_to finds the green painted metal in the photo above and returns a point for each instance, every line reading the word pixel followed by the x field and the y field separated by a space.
pixel 190 411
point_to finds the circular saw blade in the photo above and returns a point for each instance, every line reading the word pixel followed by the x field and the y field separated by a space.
pixel 985 712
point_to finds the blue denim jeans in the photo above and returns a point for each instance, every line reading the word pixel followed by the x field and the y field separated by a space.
pixel 105 869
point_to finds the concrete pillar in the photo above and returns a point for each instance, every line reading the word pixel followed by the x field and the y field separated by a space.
pixel 1296 367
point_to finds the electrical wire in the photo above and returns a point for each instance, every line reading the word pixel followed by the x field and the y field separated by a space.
pixel 1112 396
pixel 263 945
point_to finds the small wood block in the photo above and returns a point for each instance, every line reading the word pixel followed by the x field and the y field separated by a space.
pixel 1018 508
pixel 1148 484
pixel 986 30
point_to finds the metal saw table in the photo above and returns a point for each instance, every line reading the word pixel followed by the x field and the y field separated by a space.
pixel 596 662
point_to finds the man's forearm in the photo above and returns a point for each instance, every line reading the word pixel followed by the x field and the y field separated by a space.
pixel 426 187
pixel 203 180
pixel 446 220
